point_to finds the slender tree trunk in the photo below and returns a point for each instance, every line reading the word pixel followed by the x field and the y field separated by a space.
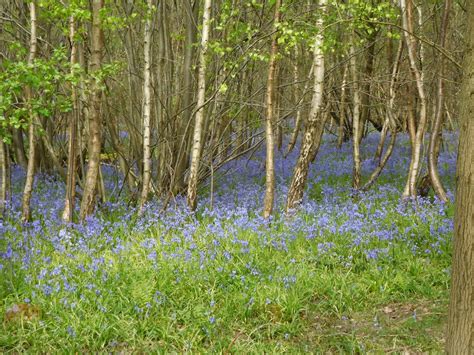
pixel 407 20
pixel 297 127
pixel 269 120
pixel 314 124
pixel 366 92
pixel 411 128
pixel 389 119
pixel 4 176
pixel 182 159
pixel 382 162
pixel 30 171
pixel 356 128
pixel 84 109
pixel 438 121
pixel 299 121
pixel 146 109
pixel 199 122
pixel 71 158
pixel 19 147
pixel 95 126
pixel 460 331
pixel 342 109
pixel 324 115
pixel 54 162
pixel 277 110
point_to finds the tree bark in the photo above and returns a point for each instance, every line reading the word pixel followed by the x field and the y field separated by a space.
pixel 460 331
pixel 342 109
pixel 199 122
pixel 30 171
pixel 4 176
pixel 389 122
pixel 407 20
pixel 19 147
pixel 299 115
pixel 182 158
pixel 71 157
pixel 438 121
pixel 367 77
pixel 146 109
pixel 315 122
pixel 356 127
pixel 269 120
pixel 95 126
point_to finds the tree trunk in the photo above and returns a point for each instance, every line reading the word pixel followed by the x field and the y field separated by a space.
pixel 298 123
pixel 356 127
pixel 367 77
pixel 199 122
pixel 342 109
pixel 30 171
pixel 4 176
pixel 315 122
pixel 438 121
pixel 95 126
pixel 411 128
pixel 389 119
pixel 71 157
pixel 460 332
pixel 19 147
pixel 182 159
pixel 407 20
pixel 269 120
pixel 146 109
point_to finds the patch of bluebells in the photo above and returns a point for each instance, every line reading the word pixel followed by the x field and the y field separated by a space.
pixel 225 240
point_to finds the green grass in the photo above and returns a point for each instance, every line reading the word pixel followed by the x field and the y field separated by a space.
pixel 265 300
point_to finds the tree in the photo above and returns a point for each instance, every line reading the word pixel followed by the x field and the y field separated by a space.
pixel 356 121
pixel 71 156
pixel 315 123
pixel 30 171
pixel 460 332
pixel 146 108
pixel 181 151
pixel 433 152
pixel 269 120
pixel 418 73
pixel 5 176
pixel 95 122
pixel 199 122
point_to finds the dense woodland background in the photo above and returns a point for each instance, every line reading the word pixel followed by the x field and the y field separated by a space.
pixel 173 91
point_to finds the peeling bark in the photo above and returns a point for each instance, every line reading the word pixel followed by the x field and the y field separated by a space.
pixel 314 124
pixel 30 171
pixel 199 120
pixel 269 121
pixel 146 110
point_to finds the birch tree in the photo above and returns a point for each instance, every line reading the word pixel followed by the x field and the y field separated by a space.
pixel 30 171
pixel 269 119
pixel 315 124
pixel 199 120
pixel 146 108
pixel 71 157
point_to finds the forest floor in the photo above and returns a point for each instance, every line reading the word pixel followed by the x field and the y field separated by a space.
pixel 346 273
